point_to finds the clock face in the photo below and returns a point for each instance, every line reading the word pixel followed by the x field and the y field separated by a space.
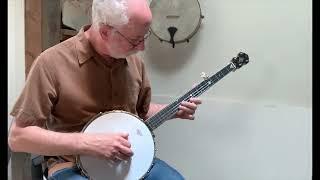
pixel 175 20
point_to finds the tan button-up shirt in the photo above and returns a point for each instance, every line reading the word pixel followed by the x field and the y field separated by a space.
pixel 69 83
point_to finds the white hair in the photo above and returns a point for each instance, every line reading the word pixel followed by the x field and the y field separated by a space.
pixel 109 12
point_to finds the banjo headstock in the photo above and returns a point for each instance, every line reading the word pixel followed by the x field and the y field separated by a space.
pixel 240 60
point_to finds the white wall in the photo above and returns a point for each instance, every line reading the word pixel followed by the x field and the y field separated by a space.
pixel 275 34
pixel 243 141
pixel 256 122
pixel 16 58
pixel 16 49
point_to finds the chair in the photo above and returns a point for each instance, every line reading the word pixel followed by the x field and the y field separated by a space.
pixel 37 172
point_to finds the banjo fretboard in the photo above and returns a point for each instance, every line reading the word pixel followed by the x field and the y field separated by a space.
pixel 170 110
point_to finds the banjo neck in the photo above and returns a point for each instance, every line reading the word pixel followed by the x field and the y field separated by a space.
pixel 169 111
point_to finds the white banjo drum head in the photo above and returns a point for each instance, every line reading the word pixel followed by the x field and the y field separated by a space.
pixel 184 15
pixel 142 145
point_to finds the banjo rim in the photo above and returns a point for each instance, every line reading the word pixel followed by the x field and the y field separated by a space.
pixel 78 161
pixel 186 38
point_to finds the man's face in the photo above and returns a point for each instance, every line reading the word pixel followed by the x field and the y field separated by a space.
pixel 126 40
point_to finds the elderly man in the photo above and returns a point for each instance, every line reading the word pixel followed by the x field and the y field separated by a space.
pixel 94 71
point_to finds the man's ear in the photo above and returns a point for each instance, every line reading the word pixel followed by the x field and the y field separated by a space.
pixel 105 31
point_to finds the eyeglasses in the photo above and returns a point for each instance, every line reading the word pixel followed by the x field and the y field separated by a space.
pixel 132 42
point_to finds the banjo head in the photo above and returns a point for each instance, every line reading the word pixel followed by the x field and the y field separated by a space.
pixel 142 145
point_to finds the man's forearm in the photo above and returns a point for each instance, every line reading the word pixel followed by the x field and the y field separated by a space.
pixel 33 139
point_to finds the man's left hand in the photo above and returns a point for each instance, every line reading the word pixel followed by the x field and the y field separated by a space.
pixel 188 109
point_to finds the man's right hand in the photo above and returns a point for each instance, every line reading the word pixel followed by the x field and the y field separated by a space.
pixel 36 140
pixel 113 146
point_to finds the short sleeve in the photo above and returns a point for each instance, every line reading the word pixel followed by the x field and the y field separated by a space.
pixel 34 105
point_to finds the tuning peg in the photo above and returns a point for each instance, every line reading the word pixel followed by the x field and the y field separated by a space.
pixel 244 56
pixel 241 54
pixel 204 76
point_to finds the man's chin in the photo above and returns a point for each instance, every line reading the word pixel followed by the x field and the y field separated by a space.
pixel 121 56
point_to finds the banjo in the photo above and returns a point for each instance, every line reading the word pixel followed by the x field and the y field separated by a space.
pixel 140 132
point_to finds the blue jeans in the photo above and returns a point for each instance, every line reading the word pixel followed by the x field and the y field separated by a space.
pixel 160 171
